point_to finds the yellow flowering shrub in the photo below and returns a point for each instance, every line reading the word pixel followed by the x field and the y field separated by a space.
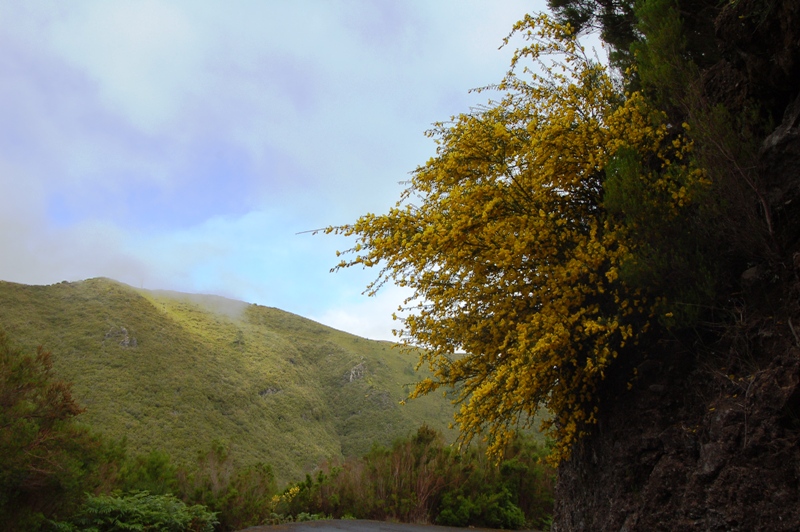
pixel 513 259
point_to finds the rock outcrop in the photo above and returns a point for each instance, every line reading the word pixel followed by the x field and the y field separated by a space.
pixel 708 438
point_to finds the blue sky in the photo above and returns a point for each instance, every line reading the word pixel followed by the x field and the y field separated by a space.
pixel 183 145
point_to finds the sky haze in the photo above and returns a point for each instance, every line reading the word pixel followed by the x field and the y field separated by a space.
pixel 188 145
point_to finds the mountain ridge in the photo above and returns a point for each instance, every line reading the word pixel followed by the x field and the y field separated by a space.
pixel 175 372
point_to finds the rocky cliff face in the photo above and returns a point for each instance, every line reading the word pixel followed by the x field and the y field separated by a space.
pixel 709 436
pixel 694 446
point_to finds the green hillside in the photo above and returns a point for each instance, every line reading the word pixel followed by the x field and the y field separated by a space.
pixel 175 372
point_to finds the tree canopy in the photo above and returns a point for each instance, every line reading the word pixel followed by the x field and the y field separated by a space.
pixel 515 240
pixel 45 455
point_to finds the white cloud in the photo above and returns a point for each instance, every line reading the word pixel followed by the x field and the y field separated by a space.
pixel 368 317
pixel 183 144
pixel 143 56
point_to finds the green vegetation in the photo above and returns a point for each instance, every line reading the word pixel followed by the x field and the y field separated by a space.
pixel 139 511
pixel 585 215
pixel 46 459
pixel 418 479
pixel 57 474
pixel 174 372
pixel 421 479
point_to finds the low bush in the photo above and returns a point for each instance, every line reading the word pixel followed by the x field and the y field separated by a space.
pixel 421 479
pixel 139 511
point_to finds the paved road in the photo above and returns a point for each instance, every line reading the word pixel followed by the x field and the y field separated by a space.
pixel 347 525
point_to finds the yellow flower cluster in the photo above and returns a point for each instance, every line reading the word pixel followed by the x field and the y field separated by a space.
pixel 515 266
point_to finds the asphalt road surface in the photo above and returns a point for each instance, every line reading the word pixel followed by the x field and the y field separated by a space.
pixel 335 525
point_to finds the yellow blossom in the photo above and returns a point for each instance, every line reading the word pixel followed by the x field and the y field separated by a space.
pixel 513 260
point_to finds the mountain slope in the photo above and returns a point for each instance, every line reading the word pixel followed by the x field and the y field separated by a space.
pixel 175 372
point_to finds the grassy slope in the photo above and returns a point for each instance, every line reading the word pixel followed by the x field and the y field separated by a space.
pixel 282 389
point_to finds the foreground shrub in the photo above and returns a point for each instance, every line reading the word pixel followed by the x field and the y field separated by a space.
pixel 422 479
pixel 494 510
pixel 140 511
pixel 241 496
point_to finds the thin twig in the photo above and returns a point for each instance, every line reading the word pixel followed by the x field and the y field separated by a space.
pixel 746 397
pixel 796 338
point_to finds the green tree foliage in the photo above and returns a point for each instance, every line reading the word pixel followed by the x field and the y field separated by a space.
pixel 49 464
pixel 614 19
pixel 697 261
pixel 241 496
pixel 624 24
pixel 421 479
pixel 153 472
pixel 139 511
pixel 151 488
pixel 47 460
